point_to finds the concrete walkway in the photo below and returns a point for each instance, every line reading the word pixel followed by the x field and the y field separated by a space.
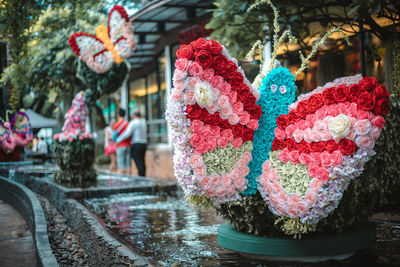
pixel 16 243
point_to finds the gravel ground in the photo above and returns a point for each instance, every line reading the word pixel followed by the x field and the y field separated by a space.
pixel 63 241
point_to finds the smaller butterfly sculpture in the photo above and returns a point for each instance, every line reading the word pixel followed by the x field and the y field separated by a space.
pixel 110 45
pixel 18 132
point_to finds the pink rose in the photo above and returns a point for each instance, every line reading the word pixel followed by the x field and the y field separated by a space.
pixel 182 64
pixel 223 101
pixel 88 135
pixel 244 172
pixel 343 108
pixel 191 82
pixel 230 191
pixel 266 166
pixel 363 115
pixel 179 74
pixel 247 157
pixel 235 173
pixel 225 88
pixel 241 164
pixel 232 97
pixel 318 125
pixel 310 198
pixel 205 183
pixel 208 75
pixel 310 119
pixel 217 82
pixel 189 98
pixel 233 119
pixel 325 135
pixel 239 183
pixel 315 158
pixel 315 135
pixel 301 208
pixel 211 143
pixel 325 159
pixel 55 137
pixel 365 141
pixel 297 135
pixel 213 108
pixel 228 134
pixel 315 185
pixel 226 180
pixel 322 174
pixel 201 149
pixel 177 96
pixel 352 111
pixel 289 130
pixel 280 134
pixel 237 142
pixel 277 187
pixel 293 211
pixel 375 133
pixel 307 135
pixel 244 118
pixel 196 125
pixel 336 158
pixel 195 161
pixel 293 199
pixel 225 112
pixel 210 192
pixel 281 209
pixel 284 155
pixel 200 171
pixel 196 139
pixel 312 169
pixel 263 178
pixel 273 200
pixel 81 137
pixel 351 135
pixel 332 110
pixel 179 85
pixel 223 142
pixel 362 127
pixel 320 113
pixel 195 69
pixel 237 108
pixel 282 197
pixel 215 180
pixel 273 175
pixel 294 156
pixel 304 159
pixel 326 122
pixel 378 121
pixel 252 124
pixel 301 124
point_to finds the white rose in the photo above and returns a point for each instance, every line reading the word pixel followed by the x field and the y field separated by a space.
pixel 339 126
pixel 204 94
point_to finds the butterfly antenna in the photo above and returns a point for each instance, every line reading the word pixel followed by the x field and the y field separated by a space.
pixel 316 46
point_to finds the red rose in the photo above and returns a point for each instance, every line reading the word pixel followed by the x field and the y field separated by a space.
pixel 340 93
pixel 354 91
pixel 366 101
pixel 212 120
pixel 185 51
pixel 303 147
pixel 249 101
pixel 200 44
pixel 219 62
pixel 236 79
pixel 204 113
pixel 290 144
pixel 328 96
pixel 317 146
pixel 314 103
pixel 347 147
pixel 302 109
pixel 248 135
pixel 282 121
pixel 204 58
pixel 382 107
pixel 225 124
pixel 331 146
pixel 214 46
pixel 293 117
pixel 380 91
pixel 242 95
pixel 277 144
pixel 230 67
pixel 237 130
pixel 193 111
pixel 255 112
pixel 368 83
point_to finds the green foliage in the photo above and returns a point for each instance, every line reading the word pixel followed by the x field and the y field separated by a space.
pixel 75 160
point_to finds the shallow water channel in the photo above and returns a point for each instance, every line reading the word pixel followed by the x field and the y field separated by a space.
pixel 165 229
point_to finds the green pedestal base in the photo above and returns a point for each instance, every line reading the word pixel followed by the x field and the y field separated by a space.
pixel 339 246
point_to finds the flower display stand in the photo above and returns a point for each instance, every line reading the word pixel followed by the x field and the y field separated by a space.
pixel 314 249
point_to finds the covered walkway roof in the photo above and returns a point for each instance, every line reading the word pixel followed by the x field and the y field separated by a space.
pixel 158 24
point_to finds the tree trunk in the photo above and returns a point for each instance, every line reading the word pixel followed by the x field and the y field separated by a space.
pixel 392 65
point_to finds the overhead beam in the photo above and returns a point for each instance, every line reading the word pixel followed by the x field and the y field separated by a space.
pixel 189 6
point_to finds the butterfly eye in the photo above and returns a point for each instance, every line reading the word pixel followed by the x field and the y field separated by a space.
pixel 282 89
pixel 273 88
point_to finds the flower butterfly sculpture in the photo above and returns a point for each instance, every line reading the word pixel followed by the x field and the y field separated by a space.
pixel 110 45
pixel 17 132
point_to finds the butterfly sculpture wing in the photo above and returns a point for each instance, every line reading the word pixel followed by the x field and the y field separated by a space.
pixel 22 129
pixel 321 145
pixel 92 51
pixel 7 140
pixel 120 32
pixel 213 114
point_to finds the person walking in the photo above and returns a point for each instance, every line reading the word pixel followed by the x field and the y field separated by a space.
pixel 109 145
pixel 123 147
pixel 137 131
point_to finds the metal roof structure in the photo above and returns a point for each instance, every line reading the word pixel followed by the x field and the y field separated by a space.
pixel 158 24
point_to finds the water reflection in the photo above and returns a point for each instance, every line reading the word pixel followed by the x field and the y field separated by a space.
pixel 165 229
